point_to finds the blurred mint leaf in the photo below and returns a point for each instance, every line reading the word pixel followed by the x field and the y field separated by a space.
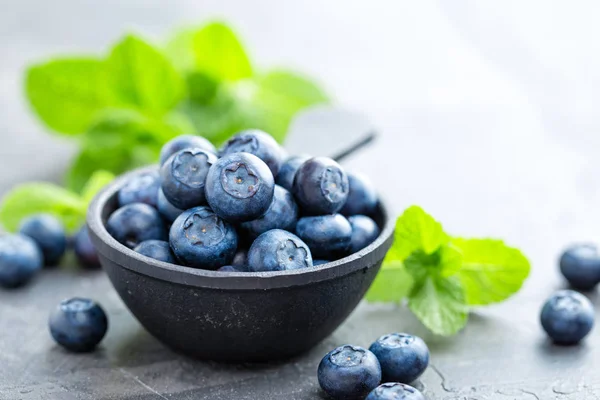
pixel 392 284
pixel 201 87
pixel 41 197
pixel 141 77
pixel 96 183
pixel 179 49
pixel 491 271
pixel 67 93
pixel 87 162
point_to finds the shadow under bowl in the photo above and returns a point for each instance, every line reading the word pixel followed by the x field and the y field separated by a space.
pixel 243 317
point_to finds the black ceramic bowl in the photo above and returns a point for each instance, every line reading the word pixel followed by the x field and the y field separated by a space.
pixel 220 316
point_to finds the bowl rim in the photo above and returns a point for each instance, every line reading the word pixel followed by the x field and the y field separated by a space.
pixel 125 257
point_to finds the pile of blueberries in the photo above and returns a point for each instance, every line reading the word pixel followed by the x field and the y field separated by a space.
pixel 244 208
pixel 352 372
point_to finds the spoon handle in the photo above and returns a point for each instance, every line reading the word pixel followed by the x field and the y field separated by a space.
pixel 365 141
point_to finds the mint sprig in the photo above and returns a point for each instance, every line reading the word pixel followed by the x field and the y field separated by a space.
pixel 444 277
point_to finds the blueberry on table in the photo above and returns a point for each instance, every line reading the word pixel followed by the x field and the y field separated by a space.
pixel 78 324
pixel 185 142
pixel 200 239
pixel 287 172
pixel 134 223
pixel 395 391
pixel 20 260
pixel 349 372
pixel 166 209
pixel 403 357
pixel 567 317
pixel 364 232
pixel 258 143
pixel 278 250
pixel 320 186
pixel 580 265
pixel 328 236
pixel 183 177
pixel 239 187
pixel 156 249
pixel 282 214
pixel 362 196
pixel 140 189
pixel 49 234
pixel 85 251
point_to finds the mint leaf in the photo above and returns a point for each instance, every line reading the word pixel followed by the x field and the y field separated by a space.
pixel 491 271
pixel 96 183
pixel 141 77
pixel 87 162
pixel 392 284
pixel 67 93
pixel 40 197
pixel 219 54
pixel 440 304
pixel 201 87
pixel 180 49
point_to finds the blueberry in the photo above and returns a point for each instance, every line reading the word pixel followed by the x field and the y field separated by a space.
pixel 320 186
pixel 157 249
pixel 580 265
pixel 282 214
pixel 183 177
pixel 320 262
pixel 85 251
pixel 362 196
pixel 567 317
pixel 49 234
pixel 239 187
pixel 228 268
pixel 349 372
pixel 278 250
pixel 135 223
pixel 395 391
pixel 259 143
pixel 166 209
pixel 403 357
pixel 20 260
pixel 240 259
pixel 185 142
pixel 78 324
pixel 328 236
pixel 140 189
pixel 200 239
pixel 364 232
pixel 287 172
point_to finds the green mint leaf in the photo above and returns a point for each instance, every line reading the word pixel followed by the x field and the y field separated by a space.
pixel 219 54
pixel 440 304
pixel 491 271
pixel 201 87
pixel 416 230
pixel 97 181
pixel 451 260
pixel 180 49
pixel 392 284
pixel 87 162
pixel 143 78
pixel 67 93
pixel 40 197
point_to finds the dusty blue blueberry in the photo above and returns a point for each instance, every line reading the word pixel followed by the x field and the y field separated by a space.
pixel 240 259
pixel 200 239
pixel 259 143
pixel 328 236
pixel 364 232
pixel 567 317
pixel 183 177
pixel 320 262
pixel 320 186
pixel 140 189
pixel 85 251
pixel 78 324
pixel 229 268
pixel 395 391
pixel 287 172
pixel 157 249
pixel 20 260
pixel 239 187
pixel 362 196
pixel 278 250
pixel 403 357
pixel 185 142
pixel 49 234
pixel 134 223
pixel 282 214
pixel 349 372
pixel 166 209
pixel 580 265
